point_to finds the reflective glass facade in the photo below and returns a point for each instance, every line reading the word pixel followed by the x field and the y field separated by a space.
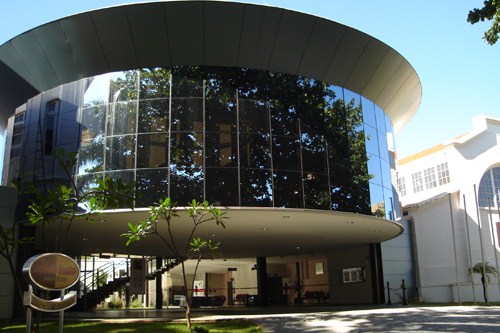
pixel 236 137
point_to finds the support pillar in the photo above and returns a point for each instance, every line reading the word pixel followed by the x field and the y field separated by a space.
pixel 159 291
pixel 262 285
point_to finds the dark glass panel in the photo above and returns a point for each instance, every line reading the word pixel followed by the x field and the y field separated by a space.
pixel 153 116
pixel 254 116
pixel 220 106
pixel 186 184
pixel 353 111
pixel 288 189
pixel 286 153
pixel 368 112
pixel 120 152
pixel 186 149
pixel 185 87
pixel 123 86
pixel 256 188
pixel 127 177
pixel 313 152
pixel 371 140
pixel 316 192
pixel 93 121
pixel 222 186
pixel 220 114
pixel 122 118
pixel 152 150
pixel 221 150
pixel 284 120
pixel 255 151
pixel 340 188
pixel 154 83
pixel 151 185
pixel 187 114
pixel 91 156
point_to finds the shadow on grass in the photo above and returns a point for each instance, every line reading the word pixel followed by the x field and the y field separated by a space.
pixel 224 326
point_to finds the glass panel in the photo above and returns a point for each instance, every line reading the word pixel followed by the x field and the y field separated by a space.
pixel 152 150
pixel 371 140
pixel 88 182
pixel 288 189
pixel 256 188
pixel 485 191
pixel 186 184
pixel 368 112
pixel 383 146
pixel 386 174
pixel 120 152
pixel 92 120
pixel 97 91
pixel 389 205
pixel 380 114
pixel 254 151
pixel 187 114
pixel 91 156
pixel 377 201
pixel 153 116
pixel 186 150
pixel 152 185
pixel 123 86
pixel 221 150
pixel 154 83
pixel 286 153
pixel 122 118
pixel 254 117
pixel 222 186
pixel 374 169
pixel 353 111
pixel 317 194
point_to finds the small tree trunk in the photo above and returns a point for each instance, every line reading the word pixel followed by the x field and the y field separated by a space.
pixel 485 295
pixel 188 306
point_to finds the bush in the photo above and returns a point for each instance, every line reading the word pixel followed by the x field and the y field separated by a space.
pixel 115 303
pixel 199 329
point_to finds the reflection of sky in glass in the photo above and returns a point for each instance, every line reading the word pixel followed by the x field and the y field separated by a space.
pixel 98 91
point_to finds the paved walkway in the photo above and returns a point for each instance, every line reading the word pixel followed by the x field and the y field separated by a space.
pixel 477 319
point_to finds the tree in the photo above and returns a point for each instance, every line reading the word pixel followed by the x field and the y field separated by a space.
pixel 199 213
pixel 485 270
pixel 10 242
pixel 490 11
pixel 65 204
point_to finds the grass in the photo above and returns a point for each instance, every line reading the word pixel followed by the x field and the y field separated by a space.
pixel 224 326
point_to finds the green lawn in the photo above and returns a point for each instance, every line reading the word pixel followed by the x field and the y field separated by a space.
pixel 241 326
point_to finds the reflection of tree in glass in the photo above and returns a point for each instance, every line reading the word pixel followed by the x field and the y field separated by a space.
pixel 123 87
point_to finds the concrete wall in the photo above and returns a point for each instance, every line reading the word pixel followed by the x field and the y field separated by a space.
pixel 350 293
pixel 8 198
pixel 397 264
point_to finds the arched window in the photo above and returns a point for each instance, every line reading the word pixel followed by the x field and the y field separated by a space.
pixel 489 188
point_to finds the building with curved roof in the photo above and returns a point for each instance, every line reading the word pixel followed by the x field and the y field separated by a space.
pixel 283 119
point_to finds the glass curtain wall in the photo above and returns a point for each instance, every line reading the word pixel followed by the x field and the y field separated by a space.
pixel 236 137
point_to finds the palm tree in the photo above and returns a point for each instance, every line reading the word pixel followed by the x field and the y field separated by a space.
pixel 484 269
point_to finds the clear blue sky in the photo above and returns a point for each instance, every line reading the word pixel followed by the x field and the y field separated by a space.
pixel 459 72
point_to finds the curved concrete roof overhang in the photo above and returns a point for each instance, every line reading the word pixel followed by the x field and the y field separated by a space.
pixel 249 232
pixel 211 33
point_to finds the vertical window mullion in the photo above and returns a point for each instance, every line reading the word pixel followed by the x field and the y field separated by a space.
pixel 169 144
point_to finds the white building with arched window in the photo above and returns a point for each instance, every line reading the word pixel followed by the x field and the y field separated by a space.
pixel 450 198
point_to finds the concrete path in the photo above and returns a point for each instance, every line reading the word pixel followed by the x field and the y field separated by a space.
pixel 474 319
